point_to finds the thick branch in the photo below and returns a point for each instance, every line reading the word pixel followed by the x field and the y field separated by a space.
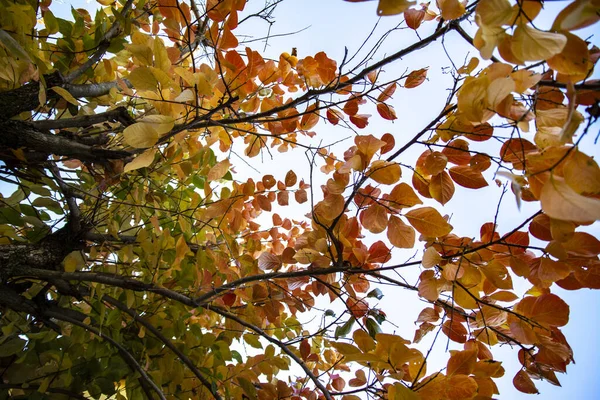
pixel 112 33
pixel 17 134
pixel 93 89
pixel 119 114
pixel 593 85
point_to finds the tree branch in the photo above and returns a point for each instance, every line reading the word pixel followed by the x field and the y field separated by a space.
pixel 17 134
pixel 113 32
pixel 119 114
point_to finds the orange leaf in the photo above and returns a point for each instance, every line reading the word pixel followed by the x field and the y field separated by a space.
pixel 467 177
pixel 310 118
pixel 415 78
pixel 386 111
pixel 384 172
pixel 301 196
pixel 441 187
pixel 435 163
pixel 400 234
pixel 374 218
pixel 455 331
pixel 403 196
pixel 429 222
pixel 549 309
pixel 462 362
pixel 523 383
pixel 461 387
pixel 360 120
pixel 390 142
pixel 393 7
pixel 290 178
pixel 387 92
pixel 414 18
pixel 268 261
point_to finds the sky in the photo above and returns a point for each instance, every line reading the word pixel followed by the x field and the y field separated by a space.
pixel 332 26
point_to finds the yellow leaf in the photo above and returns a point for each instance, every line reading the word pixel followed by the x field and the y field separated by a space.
pixel 142 78
pixel 494 12
pixel 140 135
pixel 363 340
pixel 141 161
pixel 560 201
pixel 218 170
pixel 451 9
pixel 65 95
pixel 471 99
pixel 525 79
pixel 429 222
pixel 185 96
pixel 574 59
pixel 498 90
pixel 204 87
pixel 401 392
pixel 13 47
pixel 431 258
pixel 161 58
pixel 577 15
pixel 393 7
pixel 487 38
pixel 581 173
pixel 72 261
pixel 161 123
pixel 530 44
pixel 385 172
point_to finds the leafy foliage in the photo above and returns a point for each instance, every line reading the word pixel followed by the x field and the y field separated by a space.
pixel 136 262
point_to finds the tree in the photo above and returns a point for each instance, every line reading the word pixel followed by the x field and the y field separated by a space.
pixel 135 263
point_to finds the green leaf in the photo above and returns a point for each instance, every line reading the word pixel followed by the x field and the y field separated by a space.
pixel 12 346
pixel 376 293
pixel 342 331
pixel 247 387
pixel 373 327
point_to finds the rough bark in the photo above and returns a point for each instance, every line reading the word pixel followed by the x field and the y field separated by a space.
pixel 20 134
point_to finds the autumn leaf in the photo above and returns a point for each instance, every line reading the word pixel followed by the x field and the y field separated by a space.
pixel 140 135
pixel 560 201
pixel 428 222
pixel 393 7
pixel 218 171
pixel 530 44
pixel 415 78
pixel 143 160
pixel 384 172
pixel 400 234
pixel 467 177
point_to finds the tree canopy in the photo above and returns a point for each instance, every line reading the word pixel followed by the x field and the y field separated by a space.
pixel 136 262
